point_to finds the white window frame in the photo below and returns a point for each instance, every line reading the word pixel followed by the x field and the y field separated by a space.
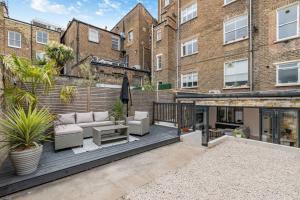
pixel 167 2
pixel 277 22
pixel 185 12
pixel 232 20
pixel 230 1
pixel 93 31
pixel 158 35
pixel 277 72
pixel 39 53
pixel 224 73
pixel 159 66
pixel 190 42
pixel 130 38
pixel 195 78
pixel 119 43
pixel 8 41
pixel 41 42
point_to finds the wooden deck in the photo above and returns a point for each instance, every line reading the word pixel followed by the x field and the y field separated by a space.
pixel 56 165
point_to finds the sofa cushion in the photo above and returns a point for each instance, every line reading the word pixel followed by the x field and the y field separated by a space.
pixel 67 129
pixel 138 115
pixel 84 117
pixel 134 123
pixel 96 124
pixel 101 116
pixel 68 118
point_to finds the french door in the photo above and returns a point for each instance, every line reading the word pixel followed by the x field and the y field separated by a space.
pixel 280 126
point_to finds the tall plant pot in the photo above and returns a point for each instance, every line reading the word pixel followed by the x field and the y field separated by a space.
pixel 26 162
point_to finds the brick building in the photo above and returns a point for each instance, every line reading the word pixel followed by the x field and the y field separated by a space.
pixel 25 39
pixel 239 60
pixel 125 48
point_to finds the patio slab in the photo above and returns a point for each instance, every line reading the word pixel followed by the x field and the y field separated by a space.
pixel 114 180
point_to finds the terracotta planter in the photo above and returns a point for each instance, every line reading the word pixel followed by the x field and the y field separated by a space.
pixel 26 162
pixel 185 130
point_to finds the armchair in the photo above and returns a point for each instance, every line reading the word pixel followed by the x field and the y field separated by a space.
pixel 139 124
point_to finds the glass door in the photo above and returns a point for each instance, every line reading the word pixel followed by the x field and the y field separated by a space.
pixel 280 126
pixel 268 122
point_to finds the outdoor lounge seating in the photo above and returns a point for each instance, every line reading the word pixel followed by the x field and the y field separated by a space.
pixel 71 128
pixel 139 124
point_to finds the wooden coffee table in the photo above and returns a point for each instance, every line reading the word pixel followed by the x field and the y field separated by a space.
pixel 109 133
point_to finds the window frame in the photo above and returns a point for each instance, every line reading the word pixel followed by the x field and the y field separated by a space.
pixel 36 35
pixel 186 43
pixel 119 43
pixel 158 32
pixel 227 109
pixel 277 73
pixel 193 74
pixel 130 39
pixel 228 2
pixel 185 8
pixel 277 22
pixel 230 21
pixel 37 53
pixel 224 71
pixel 8 41
pixel 157 62
pixel 89 35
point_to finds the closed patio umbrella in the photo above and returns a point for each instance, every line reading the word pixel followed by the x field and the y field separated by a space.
pixel 125 91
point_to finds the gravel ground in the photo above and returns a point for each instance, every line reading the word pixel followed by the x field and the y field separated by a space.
pixel 231 170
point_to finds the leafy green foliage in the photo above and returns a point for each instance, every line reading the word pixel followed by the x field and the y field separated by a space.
pixel 67 94
pixel 22 79
pixel 23 130
pixel 118 111
pixel 238 133
pixel 59 53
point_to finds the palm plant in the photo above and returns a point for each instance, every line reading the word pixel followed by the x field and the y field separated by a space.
pixel 22 79
pixel 118 111
pixel 59 53
pixel 67 94
pixel 24 130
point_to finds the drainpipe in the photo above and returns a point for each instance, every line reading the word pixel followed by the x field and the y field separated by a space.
pixel 250 9
pixel 152 56
pixel 177 46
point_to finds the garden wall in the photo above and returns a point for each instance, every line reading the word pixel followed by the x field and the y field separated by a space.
pixel 3 152
pixel 100 98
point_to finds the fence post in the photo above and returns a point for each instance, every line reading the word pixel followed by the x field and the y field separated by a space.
pixel 179 117
pixel 153 113
pixel 194 116
pixel 205 135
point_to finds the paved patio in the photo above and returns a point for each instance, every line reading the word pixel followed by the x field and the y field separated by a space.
pixel 231 170
pixel 114 180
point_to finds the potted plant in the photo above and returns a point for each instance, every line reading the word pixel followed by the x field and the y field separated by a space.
pixel 118 112
pixel 238 133
pixel 24 131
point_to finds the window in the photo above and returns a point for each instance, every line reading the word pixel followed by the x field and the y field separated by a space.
pixel 167 2
pixel 231 115
pixel 115 43
pixel 236 29
pixel 288 22
pixel 126 60
pixel 189 80
pixel 236 73
pixel 137 81
pixel 130 36
pixel 188 13
pixel 14 39
pixel 158 35
pixel 41 37
pixel 228 1
pixel 159 62
pixel 288 73
pixel 40 55
pixel 189 47
pixel 93 35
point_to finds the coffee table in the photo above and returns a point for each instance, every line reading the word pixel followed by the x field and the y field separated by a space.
pixel 109 133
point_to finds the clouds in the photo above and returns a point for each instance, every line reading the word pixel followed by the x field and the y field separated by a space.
pixel 107 6
pixel 46 6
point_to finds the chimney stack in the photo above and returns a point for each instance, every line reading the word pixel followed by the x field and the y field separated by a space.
pixel 3 9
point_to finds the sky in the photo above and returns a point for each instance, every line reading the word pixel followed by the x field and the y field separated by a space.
pixel 100 13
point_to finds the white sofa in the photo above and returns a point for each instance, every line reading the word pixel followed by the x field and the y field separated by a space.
pixel 71 128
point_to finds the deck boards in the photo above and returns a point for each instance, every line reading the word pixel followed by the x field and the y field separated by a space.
pixel 55 165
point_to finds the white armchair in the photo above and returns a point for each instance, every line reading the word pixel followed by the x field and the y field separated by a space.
pixel 139 124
